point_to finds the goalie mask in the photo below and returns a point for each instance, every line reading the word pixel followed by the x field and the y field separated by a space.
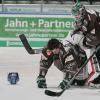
pixel 78 10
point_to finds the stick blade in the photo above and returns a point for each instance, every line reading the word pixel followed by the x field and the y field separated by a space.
pixel 51 93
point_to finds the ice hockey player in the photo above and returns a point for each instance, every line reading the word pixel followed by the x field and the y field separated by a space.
pixel 67 57
pixel 87 34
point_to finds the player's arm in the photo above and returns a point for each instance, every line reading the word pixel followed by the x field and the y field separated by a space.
pixel 45 63
pixel 70 67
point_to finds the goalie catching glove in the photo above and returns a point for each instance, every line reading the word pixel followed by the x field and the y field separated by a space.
pixel 41 82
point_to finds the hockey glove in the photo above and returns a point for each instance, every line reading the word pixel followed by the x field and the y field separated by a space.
pixel 64 84
pixel 41 82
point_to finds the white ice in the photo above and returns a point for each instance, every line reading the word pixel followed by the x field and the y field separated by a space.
pixel 18 60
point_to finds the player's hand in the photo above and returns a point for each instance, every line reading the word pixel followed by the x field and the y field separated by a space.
pixel 64 84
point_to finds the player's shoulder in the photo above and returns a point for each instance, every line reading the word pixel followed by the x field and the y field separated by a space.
pixel 92 12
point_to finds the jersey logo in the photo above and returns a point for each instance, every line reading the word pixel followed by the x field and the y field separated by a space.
pixel 93 31
pixel 69 58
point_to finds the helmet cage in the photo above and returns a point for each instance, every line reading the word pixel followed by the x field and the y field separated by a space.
pixel 78 10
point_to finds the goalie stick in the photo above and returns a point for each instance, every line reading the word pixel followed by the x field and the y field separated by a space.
pixel 27 45
pixel 52 93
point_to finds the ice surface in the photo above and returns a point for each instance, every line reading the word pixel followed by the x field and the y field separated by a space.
pixel 18 60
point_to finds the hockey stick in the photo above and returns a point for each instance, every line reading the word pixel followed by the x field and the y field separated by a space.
pixel 52 93
pixel 27 45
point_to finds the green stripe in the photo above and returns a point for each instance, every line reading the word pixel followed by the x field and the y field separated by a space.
pixel 19 44
pixel 2 43
pixel 38 43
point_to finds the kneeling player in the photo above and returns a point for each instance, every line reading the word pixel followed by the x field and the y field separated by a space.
pixel 68 58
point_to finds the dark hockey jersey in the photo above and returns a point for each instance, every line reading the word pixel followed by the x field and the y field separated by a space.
pixel 90 27
pixel 69 59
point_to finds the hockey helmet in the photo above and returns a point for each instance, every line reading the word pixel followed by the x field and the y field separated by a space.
pixel 78 9
pixel 53 44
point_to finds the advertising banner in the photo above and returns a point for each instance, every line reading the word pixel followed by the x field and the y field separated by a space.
pixel 35 26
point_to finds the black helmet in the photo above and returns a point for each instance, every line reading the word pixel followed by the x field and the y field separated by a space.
pixel 53 44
